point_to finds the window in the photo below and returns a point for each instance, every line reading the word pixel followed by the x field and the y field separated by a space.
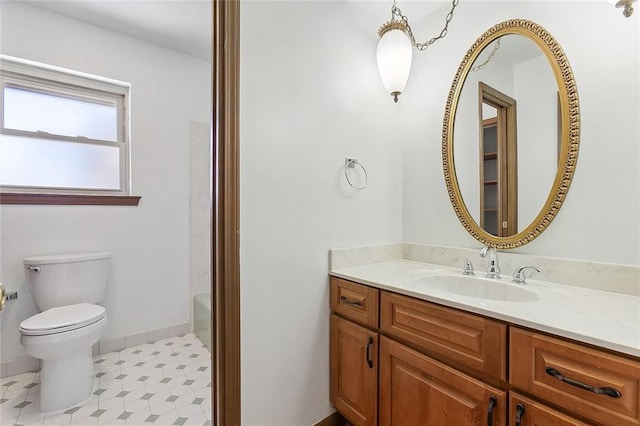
pixel 62 132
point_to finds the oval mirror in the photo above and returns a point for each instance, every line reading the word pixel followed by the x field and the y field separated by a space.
pixel 510 134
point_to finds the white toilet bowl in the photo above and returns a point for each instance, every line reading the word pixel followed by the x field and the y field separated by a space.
pixel 62 338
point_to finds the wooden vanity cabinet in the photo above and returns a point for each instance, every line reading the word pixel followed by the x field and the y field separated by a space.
pixel 401 361
pixel 354 351
pixel 376 380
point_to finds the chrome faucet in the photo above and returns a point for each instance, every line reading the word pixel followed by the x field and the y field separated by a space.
pixel 493 269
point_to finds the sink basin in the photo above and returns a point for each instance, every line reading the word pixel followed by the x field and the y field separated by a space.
pixel 480 288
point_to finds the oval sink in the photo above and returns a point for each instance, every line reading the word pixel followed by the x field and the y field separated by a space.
pixel 481 288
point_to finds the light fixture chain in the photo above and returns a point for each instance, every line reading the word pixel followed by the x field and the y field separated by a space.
pixel 489 58
pixel 396 14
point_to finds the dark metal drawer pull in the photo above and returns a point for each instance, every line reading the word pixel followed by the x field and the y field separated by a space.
pixel 492 404
pixel 601 391
pixel 519 414
pixel 351 302
pixel 369 344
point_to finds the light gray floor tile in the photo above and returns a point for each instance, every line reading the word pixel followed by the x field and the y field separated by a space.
pixel 57 419
pixel 167 418
pixel 190 410
pixel 197 420
pixel 139 417
pixel 135 405
pixel 164 407
pixel 113 402
pixel 115 422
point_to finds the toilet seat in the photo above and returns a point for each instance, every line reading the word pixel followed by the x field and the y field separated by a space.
pixel 62 319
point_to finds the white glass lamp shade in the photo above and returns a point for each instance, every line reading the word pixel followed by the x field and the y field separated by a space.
pixel 394 55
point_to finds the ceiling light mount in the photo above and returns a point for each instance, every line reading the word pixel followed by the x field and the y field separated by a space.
pixel 627 6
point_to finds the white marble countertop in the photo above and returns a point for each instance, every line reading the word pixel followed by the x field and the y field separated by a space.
pixel 606 319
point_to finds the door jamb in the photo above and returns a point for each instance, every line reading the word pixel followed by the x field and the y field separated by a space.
pixel 225 294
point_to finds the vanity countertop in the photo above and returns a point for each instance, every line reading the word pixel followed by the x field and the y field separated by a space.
pixel 606 319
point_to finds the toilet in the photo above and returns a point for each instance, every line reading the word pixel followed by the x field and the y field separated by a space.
pixel 66 289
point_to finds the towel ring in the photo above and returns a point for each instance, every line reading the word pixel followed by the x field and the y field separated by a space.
pixel 350 163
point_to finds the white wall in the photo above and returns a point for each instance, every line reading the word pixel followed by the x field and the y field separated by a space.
pixel 310 96
pixel 200 208
pixel 149 285
pixel 599 219
pixel 309 99
pixel 536 91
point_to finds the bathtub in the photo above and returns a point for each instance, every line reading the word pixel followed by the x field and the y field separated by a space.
pixel 202 318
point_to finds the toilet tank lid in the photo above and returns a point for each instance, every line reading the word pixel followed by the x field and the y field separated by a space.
pixel 66 258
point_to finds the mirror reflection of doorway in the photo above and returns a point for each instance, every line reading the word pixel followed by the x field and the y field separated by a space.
pixel 498 162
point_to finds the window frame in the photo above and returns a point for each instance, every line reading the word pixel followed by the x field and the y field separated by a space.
pixel 62 82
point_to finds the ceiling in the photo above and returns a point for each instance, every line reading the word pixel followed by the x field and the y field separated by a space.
pixel 182 25
pixel 185 25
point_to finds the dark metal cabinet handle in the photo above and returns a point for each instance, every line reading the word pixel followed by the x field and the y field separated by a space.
pixel 369 344
pixel 613 393
pixel 519 414
pixel 492 404
pixel 350 302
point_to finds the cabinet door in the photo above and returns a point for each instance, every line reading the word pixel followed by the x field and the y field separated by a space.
pixel 526 412
pixel 354 371
pixel 417 390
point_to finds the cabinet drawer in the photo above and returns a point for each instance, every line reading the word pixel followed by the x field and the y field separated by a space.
pixel 356 302
pixel 568 375
pixel 469 341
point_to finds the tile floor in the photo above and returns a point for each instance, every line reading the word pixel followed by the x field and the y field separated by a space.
pixel 164 383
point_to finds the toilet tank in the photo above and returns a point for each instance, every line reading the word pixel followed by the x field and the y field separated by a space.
pixel 66 279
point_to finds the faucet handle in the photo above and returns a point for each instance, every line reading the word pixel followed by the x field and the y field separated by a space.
pixel 519 275
pixel 467 269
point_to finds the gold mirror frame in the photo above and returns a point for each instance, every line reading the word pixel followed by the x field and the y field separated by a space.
pixel 570 136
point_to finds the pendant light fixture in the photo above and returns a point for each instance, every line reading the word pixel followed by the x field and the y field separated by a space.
pixel 394 53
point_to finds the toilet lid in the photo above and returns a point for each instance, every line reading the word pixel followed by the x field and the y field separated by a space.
pixel 62 318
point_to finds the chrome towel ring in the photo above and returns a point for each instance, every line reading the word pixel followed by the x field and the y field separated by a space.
pixel 350 163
